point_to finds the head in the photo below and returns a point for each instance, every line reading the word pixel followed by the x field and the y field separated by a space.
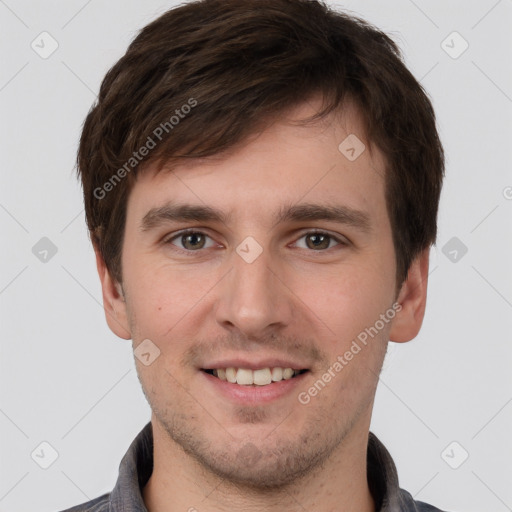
pixel 237 114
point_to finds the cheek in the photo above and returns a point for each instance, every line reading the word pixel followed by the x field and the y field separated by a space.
pixel 163 296
pixel 347 301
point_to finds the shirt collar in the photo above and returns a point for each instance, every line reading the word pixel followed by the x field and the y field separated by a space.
pixel 134 472
pixel 137 465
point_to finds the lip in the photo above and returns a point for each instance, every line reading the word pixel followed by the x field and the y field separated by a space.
pixel 255 364
pixel 253 395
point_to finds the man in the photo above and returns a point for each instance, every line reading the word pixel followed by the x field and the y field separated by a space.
pixel 261 183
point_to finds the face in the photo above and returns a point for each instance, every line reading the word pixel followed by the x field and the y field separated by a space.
pixel 275 258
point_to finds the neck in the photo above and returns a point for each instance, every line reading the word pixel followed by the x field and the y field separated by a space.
pixel 179 482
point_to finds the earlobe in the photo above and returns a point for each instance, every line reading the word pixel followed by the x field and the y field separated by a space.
pixel 413 299
pixel 114 303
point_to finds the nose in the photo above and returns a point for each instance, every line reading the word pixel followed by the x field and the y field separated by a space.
pixel 254 299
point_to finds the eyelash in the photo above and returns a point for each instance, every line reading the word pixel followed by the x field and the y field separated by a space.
pixel 169 240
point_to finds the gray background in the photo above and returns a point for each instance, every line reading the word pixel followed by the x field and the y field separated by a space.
pixel 68 381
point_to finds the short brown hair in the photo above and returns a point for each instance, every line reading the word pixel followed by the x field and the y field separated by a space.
pixel 236 65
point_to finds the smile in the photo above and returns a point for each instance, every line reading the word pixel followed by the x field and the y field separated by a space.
pixel 259 377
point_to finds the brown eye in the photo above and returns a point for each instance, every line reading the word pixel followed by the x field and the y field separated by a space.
pixel 193 241
pixel 318 241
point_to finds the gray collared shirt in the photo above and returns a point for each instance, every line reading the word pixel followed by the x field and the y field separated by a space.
pixel 137 466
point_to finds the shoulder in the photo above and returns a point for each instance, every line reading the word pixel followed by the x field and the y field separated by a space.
pixel 100 504
pixel 408 504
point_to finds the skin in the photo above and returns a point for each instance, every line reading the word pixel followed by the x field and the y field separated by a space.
pixel 293 300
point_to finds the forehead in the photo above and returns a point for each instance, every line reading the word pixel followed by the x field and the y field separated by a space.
pixel 327 162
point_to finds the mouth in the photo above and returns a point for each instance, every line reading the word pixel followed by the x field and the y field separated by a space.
pixel 255 378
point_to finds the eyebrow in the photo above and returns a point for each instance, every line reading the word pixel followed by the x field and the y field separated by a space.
pixel 179 213
pixel 292 213
pixel 336 213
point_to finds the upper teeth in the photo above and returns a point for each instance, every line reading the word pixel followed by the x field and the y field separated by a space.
pixel 261 377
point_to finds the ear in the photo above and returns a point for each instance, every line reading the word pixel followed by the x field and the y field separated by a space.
pixel 113 301
pixel 413 299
